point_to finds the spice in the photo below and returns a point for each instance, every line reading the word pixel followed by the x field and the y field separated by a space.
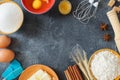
pixel 73 73
pixel 106 37
pixel 104 27
pixel 67 74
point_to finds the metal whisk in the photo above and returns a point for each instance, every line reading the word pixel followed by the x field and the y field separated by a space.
pixel 86 9
pixel 79 56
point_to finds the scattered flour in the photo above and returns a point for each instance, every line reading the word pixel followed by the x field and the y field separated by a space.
pixel 105 66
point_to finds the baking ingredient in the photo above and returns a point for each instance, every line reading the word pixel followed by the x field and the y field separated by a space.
pixel 105 66
pixel 85 10
pixel 107 37
pixel 73 73
pixel 31 70
pixel 4 41
pixel 6 55
pixel 104 27
pixel 11 17
pixel 37 4
pixel 40 75
pixel 65 7
pixel 111 3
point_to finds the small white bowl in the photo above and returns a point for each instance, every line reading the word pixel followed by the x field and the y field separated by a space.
pixel 17 18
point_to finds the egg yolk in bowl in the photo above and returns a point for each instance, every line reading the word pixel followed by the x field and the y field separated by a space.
pixel 38 6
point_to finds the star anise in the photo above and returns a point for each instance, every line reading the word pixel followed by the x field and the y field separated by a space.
pixel 104 27
pixel 107 37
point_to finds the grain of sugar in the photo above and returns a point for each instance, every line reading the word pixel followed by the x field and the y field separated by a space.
pixel 105 66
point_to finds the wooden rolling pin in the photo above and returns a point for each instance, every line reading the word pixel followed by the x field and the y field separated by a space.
pixel 113 18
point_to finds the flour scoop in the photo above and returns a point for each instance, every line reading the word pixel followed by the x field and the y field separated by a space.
pixel 85 10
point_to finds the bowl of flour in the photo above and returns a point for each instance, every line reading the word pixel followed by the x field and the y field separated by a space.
pixel 104 64
pixel 11 17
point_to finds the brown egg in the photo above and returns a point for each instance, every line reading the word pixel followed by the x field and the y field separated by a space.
pixel 4 41
pixel 6 55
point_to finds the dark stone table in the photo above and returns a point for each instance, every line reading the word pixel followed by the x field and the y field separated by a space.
pixel 48 39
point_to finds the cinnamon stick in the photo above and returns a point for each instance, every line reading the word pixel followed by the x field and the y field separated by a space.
pixel 74 71
pixel 67 75
pixel 71 72
pixel 77 72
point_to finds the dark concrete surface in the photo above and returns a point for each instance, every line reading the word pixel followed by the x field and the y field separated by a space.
pixel 48 39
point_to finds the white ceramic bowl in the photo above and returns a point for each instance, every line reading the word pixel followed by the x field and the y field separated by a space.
pixel 12 24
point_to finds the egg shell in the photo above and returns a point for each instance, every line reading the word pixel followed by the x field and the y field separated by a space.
pixel 4 41
pixel 6 55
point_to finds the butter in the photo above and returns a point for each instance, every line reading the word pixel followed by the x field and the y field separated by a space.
pixel 40 75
